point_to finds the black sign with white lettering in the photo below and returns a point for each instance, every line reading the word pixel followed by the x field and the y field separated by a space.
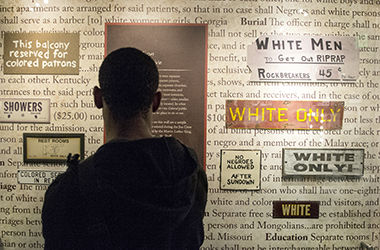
pixel 296 209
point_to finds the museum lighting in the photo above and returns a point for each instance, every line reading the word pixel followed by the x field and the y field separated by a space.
pixel 304 12
pixel 39 5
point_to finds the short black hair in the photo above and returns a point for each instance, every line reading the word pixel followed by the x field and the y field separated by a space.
pixel 129 79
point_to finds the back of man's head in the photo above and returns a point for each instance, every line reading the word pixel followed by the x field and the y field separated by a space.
pixel 128 79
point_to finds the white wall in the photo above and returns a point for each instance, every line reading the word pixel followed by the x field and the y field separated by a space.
pixel 227 212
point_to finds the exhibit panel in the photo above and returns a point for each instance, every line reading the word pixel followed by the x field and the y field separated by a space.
pixel 285 100
pixel 182 82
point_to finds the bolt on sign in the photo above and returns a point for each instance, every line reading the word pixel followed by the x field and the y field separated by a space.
pixel 240 169
pixel 25 110
pixel 322 162
pixel 36 53
pixel 296 209
pixel 264 114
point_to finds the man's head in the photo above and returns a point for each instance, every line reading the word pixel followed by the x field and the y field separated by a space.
pixel 128 81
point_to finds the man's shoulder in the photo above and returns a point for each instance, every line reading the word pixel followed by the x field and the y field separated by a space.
pixel 86 163
pixel 63 209
pixel 66 188
pixel 68 180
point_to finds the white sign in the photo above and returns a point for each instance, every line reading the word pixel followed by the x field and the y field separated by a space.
pixel 25 110
pixel 37 176
pixel 240 169
pixel 322 162
pixel 305 59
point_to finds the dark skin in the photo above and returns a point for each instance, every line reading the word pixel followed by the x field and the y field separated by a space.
pixel 138 127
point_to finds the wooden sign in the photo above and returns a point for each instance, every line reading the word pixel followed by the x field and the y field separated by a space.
pixel 240 169
pixel 304 58
pixel 262 114
pixel 296 209
pixel 52 148
pixel 41 53
pixel 25 110
pixel 329 161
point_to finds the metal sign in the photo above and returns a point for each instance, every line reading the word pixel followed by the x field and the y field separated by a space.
pixel 37 176
pixel 304 58
pixel 323 162
pixel 296 209
pixel 262 114
pixel 25 110
pixel 46 53
pixel 240 169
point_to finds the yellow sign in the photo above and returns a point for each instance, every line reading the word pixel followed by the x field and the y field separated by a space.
pixel 263 114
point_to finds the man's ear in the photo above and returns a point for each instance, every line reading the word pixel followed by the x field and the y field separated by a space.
pixel 98 100
pixel 156 101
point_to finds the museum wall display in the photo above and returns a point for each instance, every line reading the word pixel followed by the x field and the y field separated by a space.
pixel 280 98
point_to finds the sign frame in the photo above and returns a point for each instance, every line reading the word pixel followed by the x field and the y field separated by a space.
pixel 46 138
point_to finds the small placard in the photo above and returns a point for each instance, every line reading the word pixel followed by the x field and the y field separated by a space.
pixel 304 58
pixel 267 114
pixel 41 53
pixel 37 176
pixel 330 161
pixel 25 110
pixel 240 169
pixel 296 209
pixel 48 148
